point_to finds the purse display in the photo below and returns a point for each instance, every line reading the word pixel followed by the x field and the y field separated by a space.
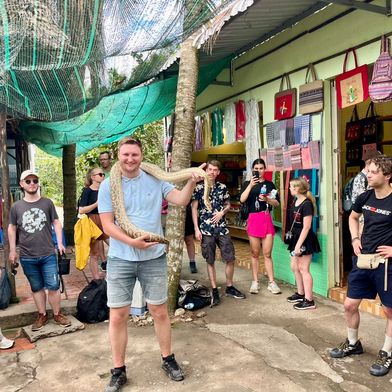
pixel 380 89
pixel 285 100
pixel 353 128
pixel 353 152
pixel 352 86
pixel 369 126
pixel 311 94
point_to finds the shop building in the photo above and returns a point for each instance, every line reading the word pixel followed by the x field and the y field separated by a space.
pixel 321 39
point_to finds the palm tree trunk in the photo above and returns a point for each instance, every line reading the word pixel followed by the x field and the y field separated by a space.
pixel 181 158
pixel 69 193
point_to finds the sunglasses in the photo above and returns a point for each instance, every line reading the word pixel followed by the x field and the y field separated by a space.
pixel 28 182
pixel 99 174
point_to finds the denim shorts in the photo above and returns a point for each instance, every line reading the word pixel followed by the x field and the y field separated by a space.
pixel 225 244
pixel 366 283
pixel 41 272
pixel 121 276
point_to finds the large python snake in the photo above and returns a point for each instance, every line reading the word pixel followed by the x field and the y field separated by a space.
pixel 117 195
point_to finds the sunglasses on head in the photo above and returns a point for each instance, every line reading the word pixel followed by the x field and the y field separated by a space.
pixel 99 174
pixel 35 181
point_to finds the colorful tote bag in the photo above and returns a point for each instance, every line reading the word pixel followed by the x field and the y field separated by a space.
pixel 352 86
pixel 285 100
pixel 311 94
pixel 380 89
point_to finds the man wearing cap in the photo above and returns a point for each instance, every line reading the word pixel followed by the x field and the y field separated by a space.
pixel 31 219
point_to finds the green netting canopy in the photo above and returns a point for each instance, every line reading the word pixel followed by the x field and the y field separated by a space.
pixel 60 58
pixel 116 115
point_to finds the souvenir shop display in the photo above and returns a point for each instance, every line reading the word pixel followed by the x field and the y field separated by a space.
pixel 311 94
pixel 285 100
pixel 352 86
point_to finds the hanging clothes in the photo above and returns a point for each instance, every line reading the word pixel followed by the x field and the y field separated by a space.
pixel 252 133
pixel 217 127
pixel 198 142
pixel 206 126
pixel 229 123
pixel 240 118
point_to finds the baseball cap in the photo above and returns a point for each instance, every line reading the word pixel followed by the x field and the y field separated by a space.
pixel 27 173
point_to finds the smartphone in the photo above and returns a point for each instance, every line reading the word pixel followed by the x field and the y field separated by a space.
pixel 255 173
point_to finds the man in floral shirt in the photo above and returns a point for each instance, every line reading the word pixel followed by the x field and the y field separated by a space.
pixel 213 230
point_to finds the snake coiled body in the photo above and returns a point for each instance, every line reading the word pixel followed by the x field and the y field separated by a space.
pixel 117 195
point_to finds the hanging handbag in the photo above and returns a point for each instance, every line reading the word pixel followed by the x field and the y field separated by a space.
pixel 353 128
pixel 352 86
pixel 244 211
pixel 369 126
pixel 353 152
pixel 380 89
pixel 311 94
pixel 285 100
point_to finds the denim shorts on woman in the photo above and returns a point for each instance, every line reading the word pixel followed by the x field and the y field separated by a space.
pixel 366 283
pixel 121 276
pixel 41 272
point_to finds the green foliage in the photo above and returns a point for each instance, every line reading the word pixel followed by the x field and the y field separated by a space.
pixel 50 170
pixel 51 176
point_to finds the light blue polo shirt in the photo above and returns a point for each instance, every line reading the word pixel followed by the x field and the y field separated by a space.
pixel 143 197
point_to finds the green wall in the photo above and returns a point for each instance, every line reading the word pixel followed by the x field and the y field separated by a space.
pixel 352 30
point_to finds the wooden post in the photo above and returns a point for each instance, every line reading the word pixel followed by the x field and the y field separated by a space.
pixel 69 192
pixel 5 187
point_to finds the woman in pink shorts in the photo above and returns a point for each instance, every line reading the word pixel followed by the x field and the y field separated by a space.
pixel 261 196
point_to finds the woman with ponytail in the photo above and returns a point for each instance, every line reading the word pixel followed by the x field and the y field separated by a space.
pixel 303 243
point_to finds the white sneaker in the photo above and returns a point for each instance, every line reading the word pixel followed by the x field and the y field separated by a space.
pixel 5 343
pixel 273 287
pixel 254 287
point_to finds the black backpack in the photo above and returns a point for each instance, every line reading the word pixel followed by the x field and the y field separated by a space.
pixel 92 303
pixel 5 289
pixel 193 292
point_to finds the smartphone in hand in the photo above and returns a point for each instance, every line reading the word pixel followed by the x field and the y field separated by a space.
pixel 255 173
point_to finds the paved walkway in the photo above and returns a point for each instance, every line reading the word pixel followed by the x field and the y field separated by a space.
pixel 257 344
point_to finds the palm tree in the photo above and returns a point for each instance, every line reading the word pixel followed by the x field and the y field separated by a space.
pixel 181 157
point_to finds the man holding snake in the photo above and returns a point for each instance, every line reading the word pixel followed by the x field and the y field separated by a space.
pixel 137 258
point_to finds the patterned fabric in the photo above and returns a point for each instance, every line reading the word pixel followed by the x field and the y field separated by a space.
pixel 252 133
pixel 219 197
pixel 229 123
pixel 198 134
pixel 206 126
pixel 217 127
pixel 240 118
pixel 360 185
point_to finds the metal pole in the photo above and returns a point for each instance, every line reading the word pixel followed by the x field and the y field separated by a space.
pixel 5 187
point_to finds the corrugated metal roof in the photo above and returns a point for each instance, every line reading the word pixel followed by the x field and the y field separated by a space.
pixel 259 22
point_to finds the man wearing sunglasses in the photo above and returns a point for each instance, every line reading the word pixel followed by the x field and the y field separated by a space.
pixel 31 219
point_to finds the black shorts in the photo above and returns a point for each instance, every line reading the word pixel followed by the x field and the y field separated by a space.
pixel 225 244
pixel 189 227
pixel 363 283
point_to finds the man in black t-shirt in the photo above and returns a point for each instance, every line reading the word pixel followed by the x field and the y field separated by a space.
pixel 376 207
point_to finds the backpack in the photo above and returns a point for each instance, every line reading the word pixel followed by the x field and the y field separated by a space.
pixel 380 89
pixel 193 292
pixel 5 289
pixel 92 303
pixel 348 192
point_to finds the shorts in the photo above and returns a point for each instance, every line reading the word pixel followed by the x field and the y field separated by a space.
pixel 97 220
pixel 260 224
pixel 121 276
pixel 225 244
pixel 41 272
pixel 367 284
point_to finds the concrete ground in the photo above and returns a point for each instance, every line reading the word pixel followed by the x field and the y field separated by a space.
pixel 257 344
